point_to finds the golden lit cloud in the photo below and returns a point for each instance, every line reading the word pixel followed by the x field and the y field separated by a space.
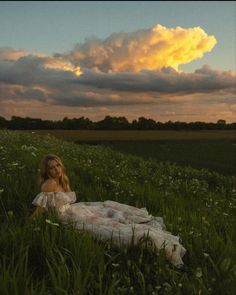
pixel 49 62
pixel 59 64
pixel 120 76
pixel 150 49
pixel 10 54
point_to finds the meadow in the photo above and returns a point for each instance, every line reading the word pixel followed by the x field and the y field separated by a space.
pixel 46 257
pixel 138 135
pixel 211 149
pixel 215 155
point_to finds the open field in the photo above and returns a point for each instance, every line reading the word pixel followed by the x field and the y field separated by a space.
pixel 215 155
pixel 134 135
pixel 40 258
pixel 214 150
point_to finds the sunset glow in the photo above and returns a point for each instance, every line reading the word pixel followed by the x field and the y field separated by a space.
pixel 150 49
pixel 176 64
pixel 58 64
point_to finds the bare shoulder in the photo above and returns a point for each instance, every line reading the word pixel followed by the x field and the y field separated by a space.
pixel 49 185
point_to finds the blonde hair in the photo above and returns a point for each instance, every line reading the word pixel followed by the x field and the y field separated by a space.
pixel 63 180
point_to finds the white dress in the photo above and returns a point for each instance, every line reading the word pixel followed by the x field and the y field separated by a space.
pixel 112 220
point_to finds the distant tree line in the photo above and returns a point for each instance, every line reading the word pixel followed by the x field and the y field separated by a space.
pixel 109 123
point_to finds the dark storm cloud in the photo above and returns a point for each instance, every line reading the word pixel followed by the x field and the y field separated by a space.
pixel 53 79
pixel 166 81
pixel 30 70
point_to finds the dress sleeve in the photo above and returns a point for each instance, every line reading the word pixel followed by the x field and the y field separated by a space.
pixel 44 200
pixel 54 199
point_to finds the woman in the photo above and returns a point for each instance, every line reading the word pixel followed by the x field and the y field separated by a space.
pixel 107 220
pixel 52 178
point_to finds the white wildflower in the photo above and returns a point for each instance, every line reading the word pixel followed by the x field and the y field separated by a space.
pixel 52 223
pixel 199 272
pixel 115 264
pixel 158 287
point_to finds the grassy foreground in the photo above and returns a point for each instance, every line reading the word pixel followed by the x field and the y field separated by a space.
pixel 46 257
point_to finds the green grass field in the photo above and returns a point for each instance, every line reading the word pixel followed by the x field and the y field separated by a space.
pixel 215 155
pixel 214 150
pixel 42 258
pixel 138 135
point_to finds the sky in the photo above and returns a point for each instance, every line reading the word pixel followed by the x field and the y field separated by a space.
pixel 165 60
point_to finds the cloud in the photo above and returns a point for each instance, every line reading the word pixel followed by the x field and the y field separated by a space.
pixel 150 49
pixel 7 53
pixel 122 74
pixel 164 81
pixel 31 70
pixel 57 81
pixel 24 68
pixel 189 112
pixel 10 54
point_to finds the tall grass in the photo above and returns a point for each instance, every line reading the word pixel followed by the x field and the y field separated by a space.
pixel 48 257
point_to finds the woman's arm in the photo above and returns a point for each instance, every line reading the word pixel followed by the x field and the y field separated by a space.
pixel 37 212
pixel 47 186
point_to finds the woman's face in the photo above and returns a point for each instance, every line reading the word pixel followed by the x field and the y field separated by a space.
pixel 54 169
